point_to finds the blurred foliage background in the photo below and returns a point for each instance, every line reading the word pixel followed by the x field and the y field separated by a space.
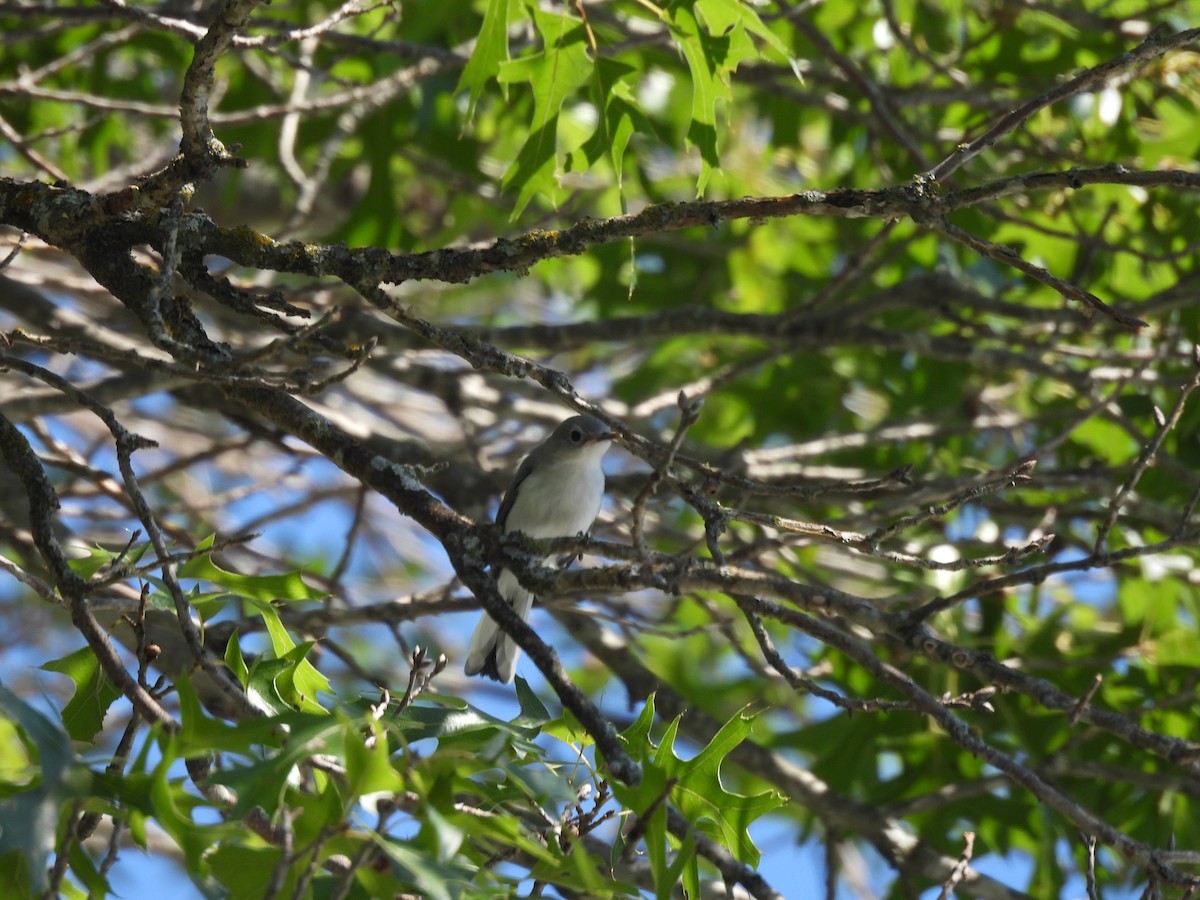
pixel 878 375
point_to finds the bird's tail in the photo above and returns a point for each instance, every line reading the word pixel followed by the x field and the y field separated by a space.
pixel 492 652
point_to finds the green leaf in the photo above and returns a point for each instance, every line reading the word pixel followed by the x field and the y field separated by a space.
pixel 702 794
pixel 29 818
pixel 15 880
pixel 533 712
pixel 463 727
pixel 447 836
pixel 173 807
pixel 723 15
pixel 621 120
pixel 299 682
pixel 264 782
pixel 263 685
pixel 202 733
pixel 707 89
pixel 698 792
pixel 83 716
pixel 685 869
pixel 713 52
pixel 247 872
pixel 638 734
pixel 97 558
pixel 85 870
pixel 287 586
pixel 1107 440
pixel 554 74
pixel 534 168
pixel 368 767
pixel 16 759
pixel 234 659
pixel 421 870
pixel 491 50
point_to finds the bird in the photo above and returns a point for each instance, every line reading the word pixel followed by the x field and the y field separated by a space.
pixel 556 492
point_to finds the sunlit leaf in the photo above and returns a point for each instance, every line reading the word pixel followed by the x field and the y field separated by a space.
pixel 491 50
pixel 83 716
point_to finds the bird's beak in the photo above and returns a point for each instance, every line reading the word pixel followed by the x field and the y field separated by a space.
pixel 606 436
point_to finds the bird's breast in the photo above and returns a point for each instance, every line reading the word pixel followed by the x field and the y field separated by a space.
pixel 559 502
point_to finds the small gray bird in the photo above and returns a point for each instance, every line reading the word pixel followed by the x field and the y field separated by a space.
pixel 556 493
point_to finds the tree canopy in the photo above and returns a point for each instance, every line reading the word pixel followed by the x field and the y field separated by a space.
pixel 895 588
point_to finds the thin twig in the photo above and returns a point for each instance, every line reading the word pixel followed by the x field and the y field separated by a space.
pixel 14 252
pixel 1086 699
pixel 960 869
pixel 1149 451
pixel 1022 474
pixel 1089 842
pixel 1154 46
pixel 1010 257
pixel 62 853
pixel 43 503
pixel 689 409
pixel 18 141
pixel 126 444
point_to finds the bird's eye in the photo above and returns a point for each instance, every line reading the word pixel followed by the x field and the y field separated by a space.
pixel 576 435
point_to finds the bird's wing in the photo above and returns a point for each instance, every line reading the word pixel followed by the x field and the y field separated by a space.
pixel 510 495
